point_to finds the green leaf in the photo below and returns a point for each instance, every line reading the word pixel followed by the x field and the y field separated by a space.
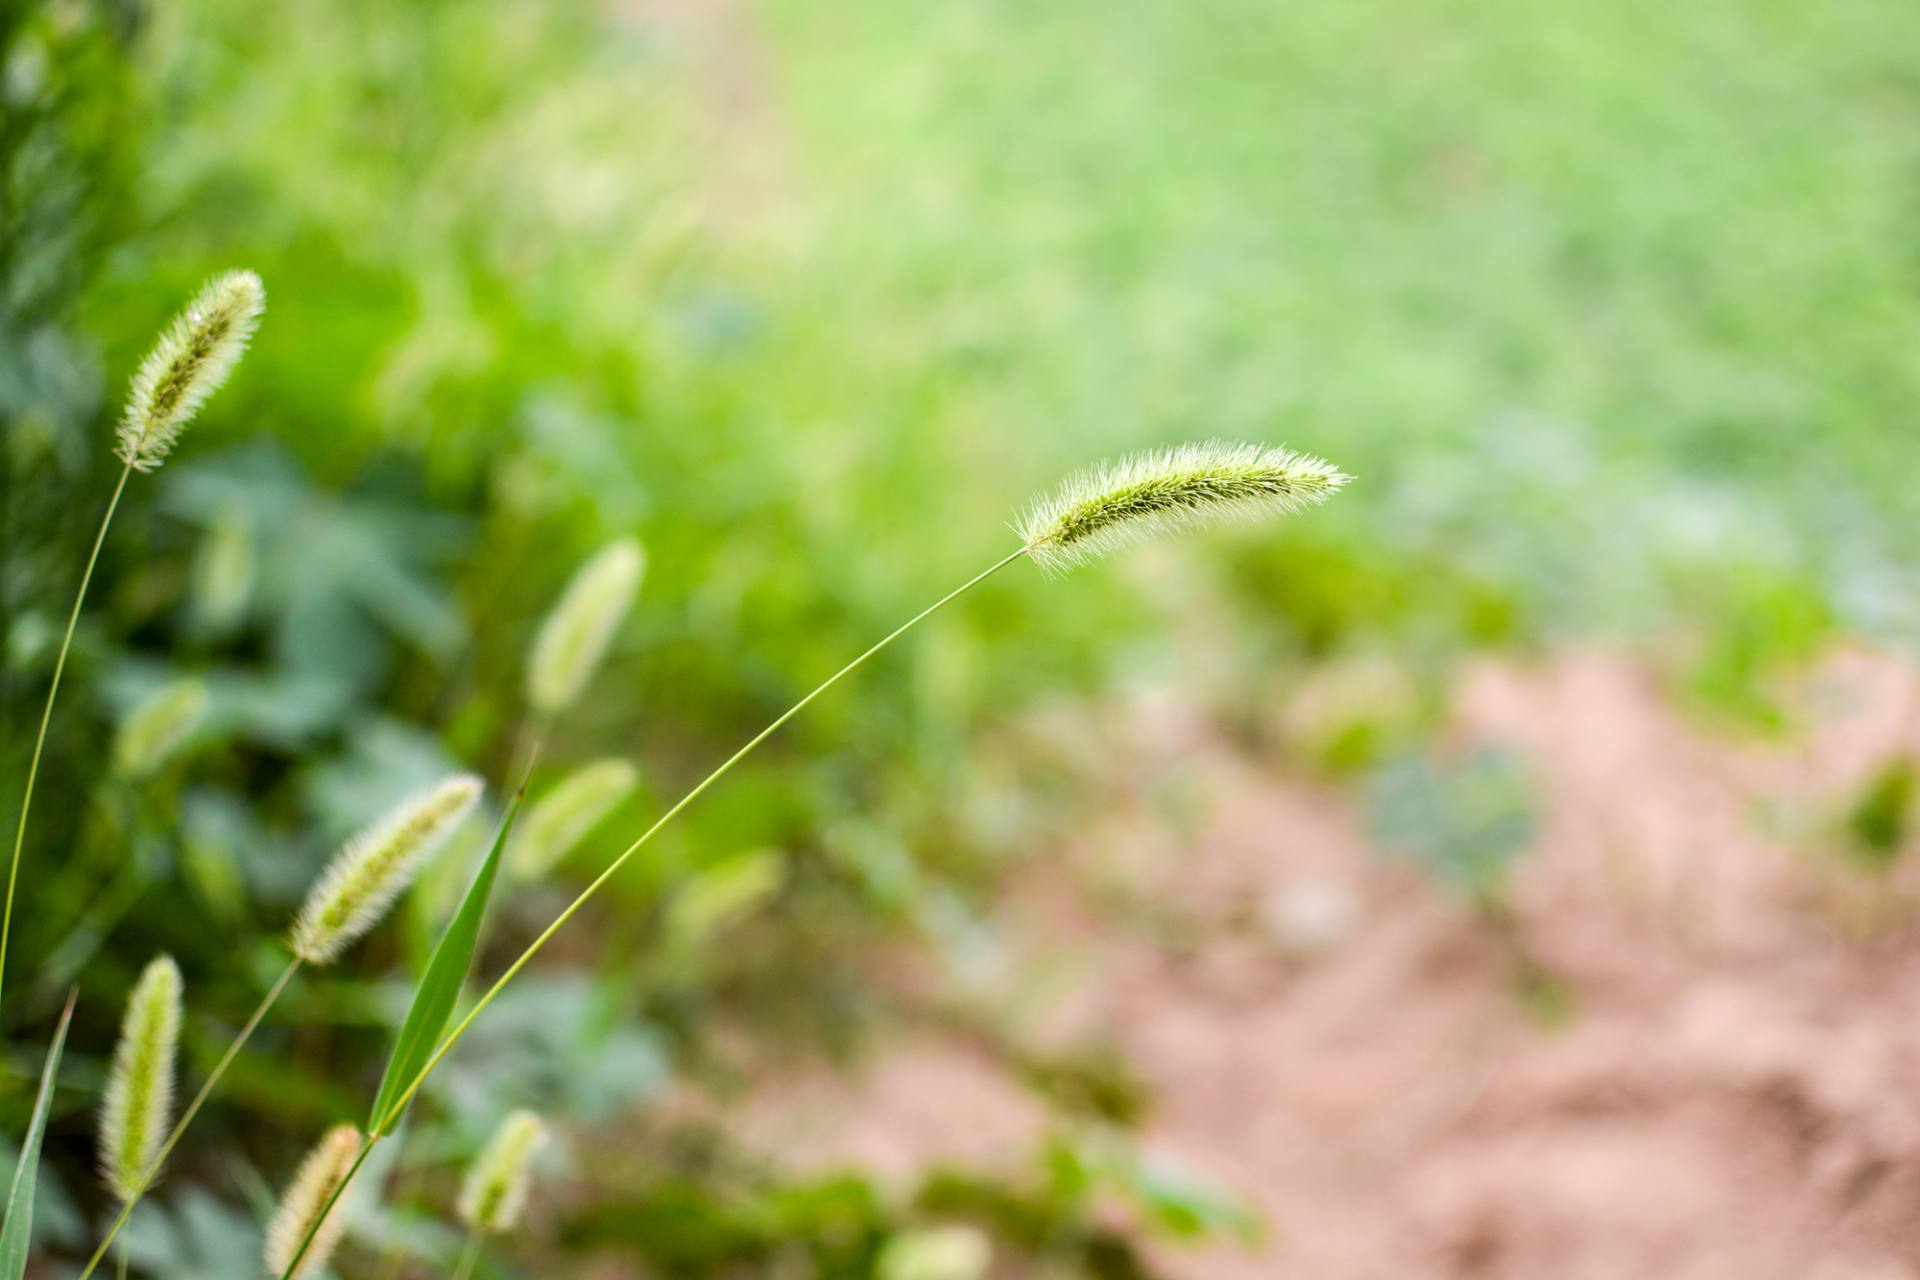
pixel 16 1237
pixel 440 984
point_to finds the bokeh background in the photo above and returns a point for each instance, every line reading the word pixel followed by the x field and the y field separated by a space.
pixel 1498 872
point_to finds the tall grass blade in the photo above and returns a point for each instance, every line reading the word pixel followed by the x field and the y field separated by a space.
pixel 440 984
pixel 16 1237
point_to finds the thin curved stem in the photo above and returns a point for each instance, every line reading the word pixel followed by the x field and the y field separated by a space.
pixel 193 1108
pixel 572 908
pixel 46 715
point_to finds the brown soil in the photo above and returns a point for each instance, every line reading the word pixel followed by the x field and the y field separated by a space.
pixel 1735 1092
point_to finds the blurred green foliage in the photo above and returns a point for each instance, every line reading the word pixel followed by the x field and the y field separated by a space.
pixel 1611 309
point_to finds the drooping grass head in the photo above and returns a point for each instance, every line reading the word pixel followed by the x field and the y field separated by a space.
pixel 1170 489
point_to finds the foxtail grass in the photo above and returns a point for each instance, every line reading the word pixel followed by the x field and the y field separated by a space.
pixel 307 1225
pixel 347 899
pixel 188 363
pixel 1096 512
pixel 1091 514
pixel 133 1120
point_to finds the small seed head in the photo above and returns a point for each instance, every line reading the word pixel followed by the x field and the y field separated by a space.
pixel 1158 492
pixel 188 364
pixel 562 818
pixel 156 727
pixel 139 1098
pixel 495 1191
pixel 306 1198
pixel 372 868
pixel 575 635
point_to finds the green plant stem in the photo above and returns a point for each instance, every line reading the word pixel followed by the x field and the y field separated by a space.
pixel 46 715
pixel 405 1180
pixel 469 1255
pixel 573 907
pixel 193 1108
pixel 559 921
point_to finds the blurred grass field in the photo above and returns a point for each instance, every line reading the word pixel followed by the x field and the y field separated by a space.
pixel 1612 310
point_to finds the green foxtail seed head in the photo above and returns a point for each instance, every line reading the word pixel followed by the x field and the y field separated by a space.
pixel 936 1253
pixel 561 819
pixel 1164 490
pixel 495 1190
pixel 188 364
pixel 134 1119
pixel 575 635
pixel 157 726
pixel 305 1199
pixel 371 869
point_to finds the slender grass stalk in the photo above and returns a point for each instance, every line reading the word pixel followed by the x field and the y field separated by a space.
pixel 140 1188
pixel 188 363
pixel 726 767
pixel 46 714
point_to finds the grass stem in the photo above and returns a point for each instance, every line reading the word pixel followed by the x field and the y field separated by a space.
pixel 572 908
pixel 46 714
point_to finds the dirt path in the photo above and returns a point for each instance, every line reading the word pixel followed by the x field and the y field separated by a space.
pixel 1735 1094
